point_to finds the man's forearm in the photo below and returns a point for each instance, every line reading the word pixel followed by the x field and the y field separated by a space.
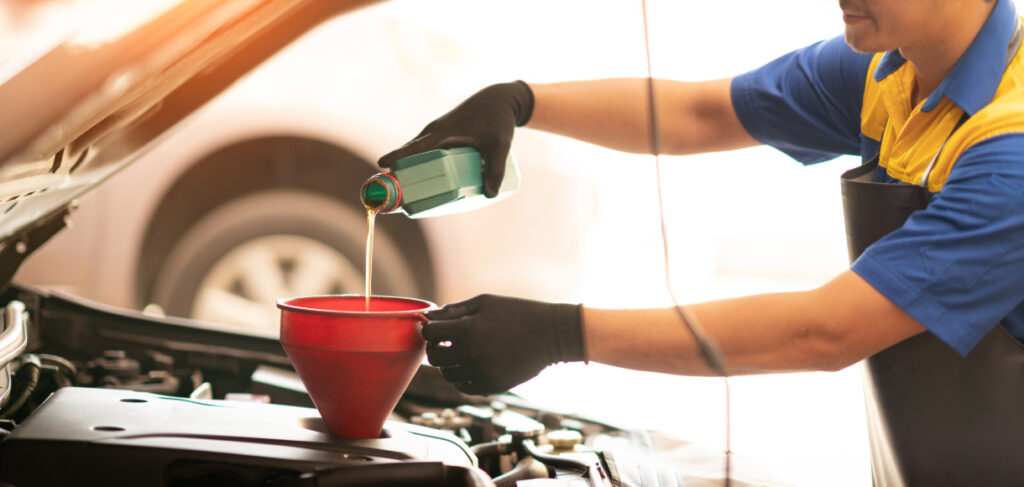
pixel 692 117
pixel 827 328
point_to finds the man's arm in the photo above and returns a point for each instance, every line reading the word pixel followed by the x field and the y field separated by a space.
pixel 828 328
pixel 692 117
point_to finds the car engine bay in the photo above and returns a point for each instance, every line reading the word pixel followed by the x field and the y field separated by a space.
pixel 118 397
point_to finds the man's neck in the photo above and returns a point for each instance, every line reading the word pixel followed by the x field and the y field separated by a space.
pixel 933 59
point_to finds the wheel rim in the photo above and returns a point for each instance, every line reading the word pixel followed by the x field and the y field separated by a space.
pixel 242 286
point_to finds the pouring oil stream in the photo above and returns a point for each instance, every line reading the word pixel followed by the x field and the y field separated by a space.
pixel 371 216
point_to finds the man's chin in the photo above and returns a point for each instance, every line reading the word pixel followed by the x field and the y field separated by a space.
pixel 861 45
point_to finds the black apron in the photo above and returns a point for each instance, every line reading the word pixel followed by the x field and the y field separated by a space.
pixel 934 418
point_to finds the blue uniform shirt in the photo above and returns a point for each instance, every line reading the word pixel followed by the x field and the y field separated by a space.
pixel 957 266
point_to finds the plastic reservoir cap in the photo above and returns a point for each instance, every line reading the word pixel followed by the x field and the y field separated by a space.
pixel 354 363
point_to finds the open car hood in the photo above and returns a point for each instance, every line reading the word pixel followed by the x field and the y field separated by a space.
pixel 98 100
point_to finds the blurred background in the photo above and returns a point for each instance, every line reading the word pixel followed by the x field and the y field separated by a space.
pixel 255 198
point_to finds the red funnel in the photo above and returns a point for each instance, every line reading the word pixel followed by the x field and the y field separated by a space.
pixel 354 363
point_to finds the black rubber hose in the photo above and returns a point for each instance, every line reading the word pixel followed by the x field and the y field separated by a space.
pixel 526 469
pixel 489 449
pixel 64 371
pixel 29 369
pixel 61 362
pixel 555 461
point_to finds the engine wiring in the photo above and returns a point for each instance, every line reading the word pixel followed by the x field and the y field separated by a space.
pixel 709 351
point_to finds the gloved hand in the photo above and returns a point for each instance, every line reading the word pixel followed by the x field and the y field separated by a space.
pixel 492 343
pixel 484 121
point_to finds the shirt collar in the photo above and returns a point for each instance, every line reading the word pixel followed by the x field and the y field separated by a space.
pixel 973 81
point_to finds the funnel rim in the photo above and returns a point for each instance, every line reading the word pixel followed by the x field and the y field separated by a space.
pixel 287 305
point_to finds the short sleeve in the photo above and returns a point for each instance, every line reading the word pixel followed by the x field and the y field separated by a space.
pixel 957 266
pixel 806 103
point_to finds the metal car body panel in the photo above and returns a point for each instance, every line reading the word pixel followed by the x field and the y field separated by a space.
pixel 103 102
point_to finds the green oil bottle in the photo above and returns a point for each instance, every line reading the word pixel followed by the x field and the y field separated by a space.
pixel 434 183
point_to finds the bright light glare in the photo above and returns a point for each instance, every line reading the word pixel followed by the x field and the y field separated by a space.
pixel 115 18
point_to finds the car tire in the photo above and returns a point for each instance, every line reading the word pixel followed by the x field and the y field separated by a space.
pixel 246 253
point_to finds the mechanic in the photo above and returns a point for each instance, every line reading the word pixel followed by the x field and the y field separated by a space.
pixel 930 93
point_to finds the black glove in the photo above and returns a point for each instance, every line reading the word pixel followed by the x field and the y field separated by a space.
pixel 493 343
pixel 484 121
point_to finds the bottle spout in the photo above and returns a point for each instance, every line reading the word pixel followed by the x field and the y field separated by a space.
pixel 381 192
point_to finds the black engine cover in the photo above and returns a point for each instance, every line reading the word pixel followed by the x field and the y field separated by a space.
pixel 83 436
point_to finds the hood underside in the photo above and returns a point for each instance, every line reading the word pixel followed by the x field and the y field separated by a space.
pixel 98 100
